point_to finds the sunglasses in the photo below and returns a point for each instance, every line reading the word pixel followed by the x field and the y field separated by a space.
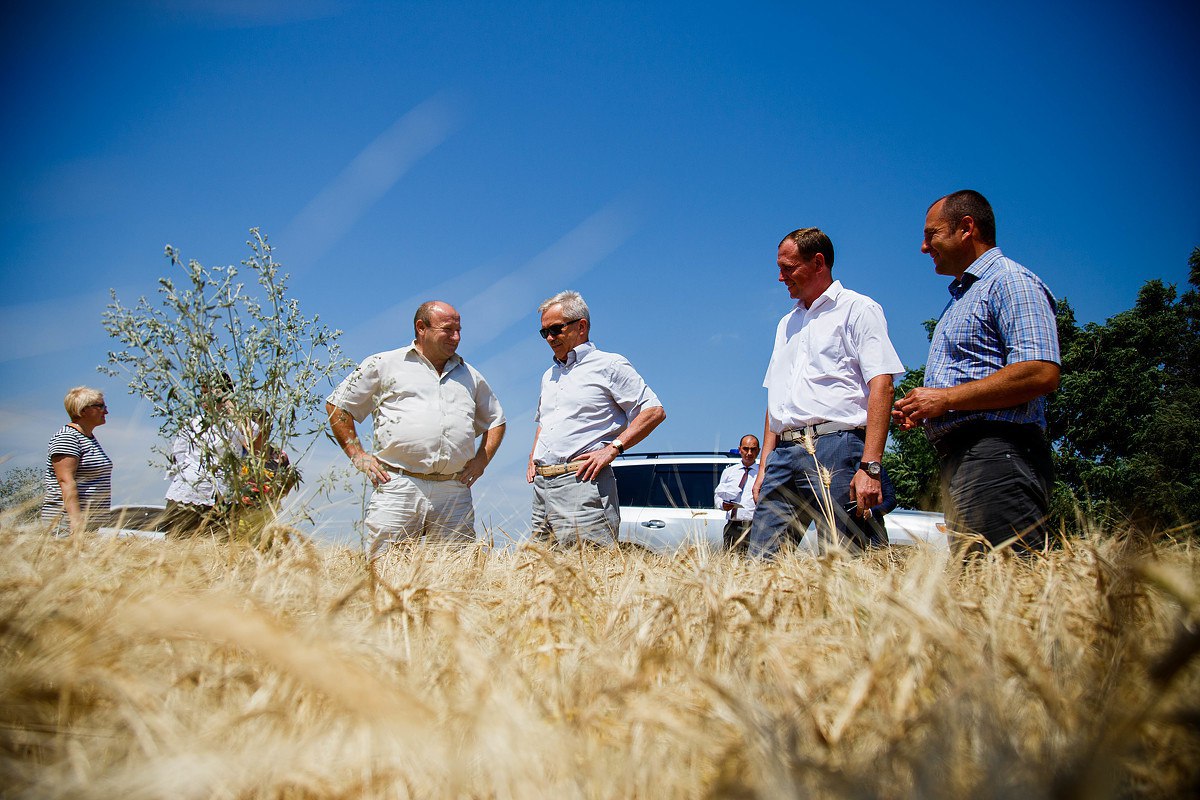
pixel 555 330
pixel 98 405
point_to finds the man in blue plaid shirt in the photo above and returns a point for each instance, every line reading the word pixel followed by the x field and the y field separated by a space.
pixel 992 361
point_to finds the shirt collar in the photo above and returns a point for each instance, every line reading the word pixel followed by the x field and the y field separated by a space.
pixel 830 295
pixel 980 268
pixel 576 354
pixel 451 363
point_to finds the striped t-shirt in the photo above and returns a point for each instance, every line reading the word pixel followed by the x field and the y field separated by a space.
pixel 93 476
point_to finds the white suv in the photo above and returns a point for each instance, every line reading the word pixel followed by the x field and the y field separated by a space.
pixel 667 504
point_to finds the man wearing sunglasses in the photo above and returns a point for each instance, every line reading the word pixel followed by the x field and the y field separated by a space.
pixel 829 397
pixel 593 406
pixel 429 407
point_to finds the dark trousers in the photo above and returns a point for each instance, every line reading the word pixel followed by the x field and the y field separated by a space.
pixel 736 533
pixel 792 496
pixel 184 520
pixel 996 481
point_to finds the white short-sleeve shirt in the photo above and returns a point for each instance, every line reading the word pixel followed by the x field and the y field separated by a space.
pixel 423 421
pixel 586 401
pixel 824 356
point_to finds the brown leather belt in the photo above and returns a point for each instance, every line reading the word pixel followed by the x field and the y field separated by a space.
pixel 424 476
pixel 554 470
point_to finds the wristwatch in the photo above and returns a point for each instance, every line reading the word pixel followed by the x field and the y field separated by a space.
pixel 617 443
pixel 872 468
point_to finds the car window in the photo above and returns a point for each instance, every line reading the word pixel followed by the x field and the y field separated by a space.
pixel 633 483
pixel 684 485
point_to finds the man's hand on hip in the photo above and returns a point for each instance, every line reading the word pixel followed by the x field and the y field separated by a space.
pixel 370 466
pixel 472 470
pixel 595 461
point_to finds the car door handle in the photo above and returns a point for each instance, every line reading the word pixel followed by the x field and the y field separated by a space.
pixel 654 523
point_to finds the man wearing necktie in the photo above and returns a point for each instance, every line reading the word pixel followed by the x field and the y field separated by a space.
pixel 735 493
pixel 993 358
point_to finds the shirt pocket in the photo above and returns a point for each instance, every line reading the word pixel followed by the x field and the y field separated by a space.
pixel 827 350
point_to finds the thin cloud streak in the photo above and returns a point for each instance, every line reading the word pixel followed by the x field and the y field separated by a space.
pixel 367 178
pixel 509 299
pixel 516 295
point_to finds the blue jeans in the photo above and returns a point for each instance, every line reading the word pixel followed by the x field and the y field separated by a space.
pixel 791 497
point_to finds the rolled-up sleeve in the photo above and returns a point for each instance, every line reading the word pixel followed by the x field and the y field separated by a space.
pixel 358 394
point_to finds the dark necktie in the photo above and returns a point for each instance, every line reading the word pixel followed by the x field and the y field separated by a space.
pixel 745 475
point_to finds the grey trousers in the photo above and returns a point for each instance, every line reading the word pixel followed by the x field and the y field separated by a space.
pixel 567 510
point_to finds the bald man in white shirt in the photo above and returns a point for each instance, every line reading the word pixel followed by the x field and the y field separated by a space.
pixel 829 397
pixel 429 407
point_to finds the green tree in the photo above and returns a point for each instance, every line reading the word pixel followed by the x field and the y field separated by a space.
pixel 1126 419
pixel 174 351
pixel 910 460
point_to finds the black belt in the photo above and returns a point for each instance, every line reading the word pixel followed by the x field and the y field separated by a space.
pixel 1026 435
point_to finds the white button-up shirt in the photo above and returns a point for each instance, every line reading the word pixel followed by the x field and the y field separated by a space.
pixel 824 357
pixel 424 422
pixel 727 490
pixel 586 401
pixel 197 456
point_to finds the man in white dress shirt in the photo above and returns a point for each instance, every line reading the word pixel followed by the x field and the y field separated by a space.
pixel 735 493
pixel 829 397
pixel 429 407
pixel 593 405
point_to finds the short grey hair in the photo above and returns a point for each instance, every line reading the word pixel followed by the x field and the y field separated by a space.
pixel 572 305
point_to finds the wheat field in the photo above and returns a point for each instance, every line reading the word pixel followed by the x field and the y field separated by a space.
pixel 147 669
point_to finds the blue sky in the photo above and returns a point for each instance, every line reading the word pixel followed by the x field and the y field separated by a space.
pixel 649 155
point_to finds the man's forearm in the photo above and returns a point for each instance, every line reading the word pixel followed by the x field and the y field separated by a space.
pixel 769 440
pixel 491 442
pixel 1009 386
pixel 642 425
pixel 879 415
pixel 341 424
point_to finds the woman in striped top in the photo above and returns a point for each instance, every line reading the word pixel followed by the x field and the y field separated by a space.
pixel 78 477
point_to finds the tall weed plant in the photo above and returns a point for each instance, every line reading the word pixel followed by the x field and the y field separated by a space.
pixel 209 322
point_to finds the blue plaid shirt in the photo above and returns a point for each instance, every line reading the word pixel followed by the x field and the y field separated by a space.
pixel 999 313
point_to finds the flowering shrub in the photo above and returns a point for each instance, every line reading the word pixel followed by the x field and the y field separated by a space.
pixel 211 325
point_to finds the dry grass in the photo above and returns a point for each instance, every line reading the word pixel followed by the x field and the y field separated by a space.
pixel 138 669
